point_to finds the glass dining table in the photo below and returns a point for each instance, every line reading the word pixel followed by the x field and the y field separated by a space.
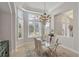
pixel 49 48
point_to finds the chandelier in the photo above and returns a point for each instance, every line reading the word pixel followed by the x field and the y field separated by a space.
pixel 45 16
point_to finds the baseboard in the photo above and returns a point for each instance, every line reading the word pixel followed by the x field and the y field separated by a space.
pixel 70 49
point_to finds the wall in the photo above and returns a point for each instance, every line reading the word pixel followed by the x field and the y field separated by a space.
pixel 5 27
pixel 76 17
pixel 0 26
pixel 7 24
pixel 58 25
pixel 72 43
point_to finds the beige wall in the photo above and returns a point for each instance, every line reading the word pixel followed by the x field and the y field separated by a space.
pixel 7 25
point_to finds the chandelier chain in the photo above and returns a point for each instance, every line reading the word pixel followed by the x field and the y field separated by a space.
pixel 44 7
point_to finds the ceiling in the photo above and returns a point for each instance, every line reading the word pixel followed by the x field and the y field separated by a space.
pixel 38 6
pixel 31 6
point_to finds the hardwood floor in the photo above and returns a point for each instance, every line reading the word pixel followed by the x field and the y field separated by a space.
pixel 61 52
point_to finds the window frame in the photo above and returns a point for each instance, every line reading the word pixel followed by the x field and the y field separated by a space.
pixel 34 26
pixel 22 29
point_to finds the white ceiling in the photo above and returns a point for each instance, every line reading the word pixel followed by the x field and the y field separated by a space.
pixel 32 6
pixel 38 6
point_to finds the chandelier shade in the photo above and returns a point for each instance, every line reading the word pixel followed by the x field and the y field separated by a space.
pixel 45 16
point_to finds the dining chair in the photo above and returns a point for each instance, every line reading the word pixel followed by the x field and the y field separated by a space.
pixel 38 47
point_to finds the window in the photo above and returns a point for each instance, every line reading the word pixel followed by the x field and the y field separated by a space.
pixel 20 23
pixel 34 25
pixel 47 28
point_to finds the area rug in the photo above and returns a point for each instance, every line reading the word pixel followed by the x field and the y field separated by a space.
pixel 61 52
